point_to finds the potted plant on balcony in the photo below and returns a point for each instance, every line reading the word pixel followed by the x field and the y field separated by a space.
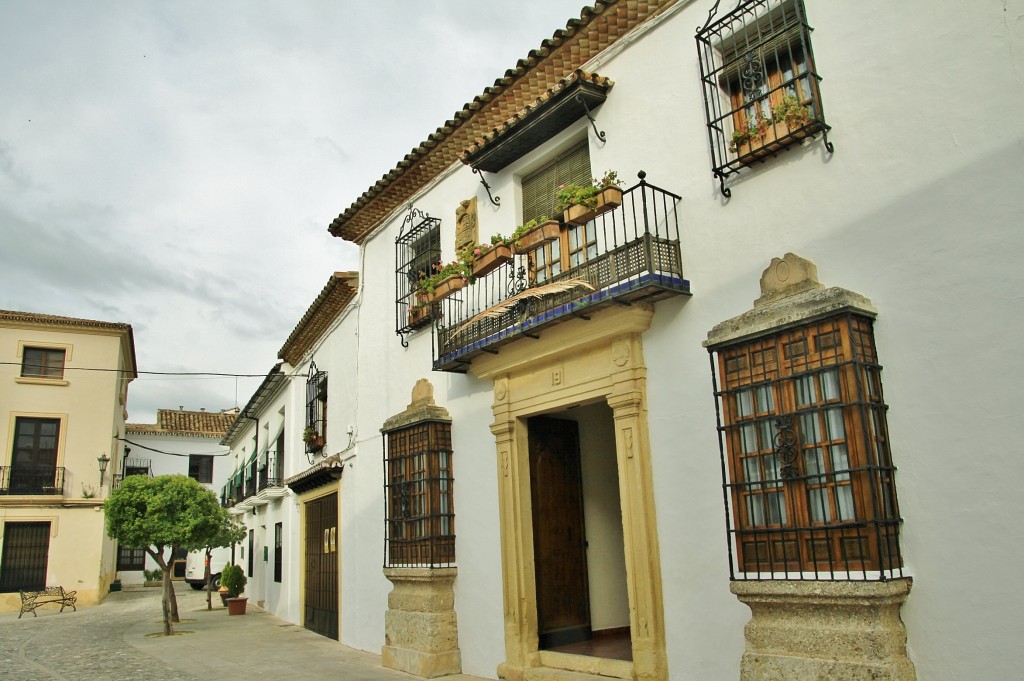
pixel 788 115
pixel 533 234
pixel 314 440
pixel 233 579
pixel 488 257
pixel 583 203
pixel 445 279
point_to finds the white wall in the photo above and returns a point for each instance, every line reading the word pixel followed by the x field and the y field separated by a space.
pixel 918 209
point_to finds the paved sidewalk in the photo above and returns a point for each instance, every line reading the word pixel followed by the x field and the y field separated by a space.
pixel 110 641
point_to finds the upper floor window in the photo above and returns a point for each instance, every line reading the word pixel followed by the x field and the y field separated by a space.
pixel 200 467
pixel 315 434
pixel 577 243
pixel 809 471
pixel 43 362
pixel 760 83
pixel 417 251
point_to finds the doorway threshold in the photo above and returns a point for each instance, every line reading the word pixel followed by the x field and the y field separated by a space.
pixel 585 664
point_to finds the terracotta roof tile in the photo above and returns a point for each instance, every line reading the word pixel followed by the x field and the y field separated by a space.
pixel 37 318
pixel 184 422
pixel 333 299
pixel 559 56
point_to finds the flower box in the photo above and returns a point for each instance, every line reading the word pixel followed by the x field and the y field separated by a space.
pixel 610 198
pixel 542 234
pixel 491 260
pixel 446 287
pixel 760 146
pixel 418 316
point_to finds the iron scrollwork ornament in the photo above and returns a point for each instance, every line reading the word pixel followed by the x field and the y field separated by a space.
pixel 786 447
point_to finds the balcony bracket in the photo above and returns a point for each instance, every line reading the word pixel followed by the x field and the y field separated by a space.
pixel 726 192
pixel 402 338
pixel 831 148
pixel 593 123
pixel 496 200
pixel 490 351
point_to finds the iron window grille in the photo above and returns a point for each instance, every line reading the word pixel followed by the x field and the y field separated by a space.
pixel 417 251
pixel 808 478
pixel 761 88
pixel 43 363
pixel 419 516
pixel 25 555
pixel 278 551
pixel 315 435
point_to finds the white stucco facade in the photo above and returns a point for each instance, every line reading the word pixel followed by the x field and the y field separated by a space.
pixel 917 209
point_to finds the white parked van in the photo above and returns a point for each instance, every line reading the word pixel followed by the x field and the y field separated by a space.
pixel 195 567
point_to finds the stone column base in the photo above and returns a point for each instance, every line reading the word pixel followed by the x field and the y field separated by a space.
pixel 420 631
pixel 841 631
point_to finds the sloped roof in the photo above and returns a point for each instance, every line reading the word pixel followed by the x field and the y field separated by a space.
pixel 185 422
pixel 559 56
pixel 333 299
pixel 128 336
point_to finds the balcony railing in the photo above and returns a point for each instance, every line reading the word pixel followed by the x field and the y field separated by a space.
pixel 629 254
pixel 32 480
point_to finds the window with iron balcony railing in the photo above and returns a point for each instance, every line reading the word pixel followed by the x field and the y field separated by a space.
pixel 625 255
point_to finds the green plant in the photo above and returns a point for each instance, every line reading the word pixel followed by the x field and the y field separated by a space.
pixel 586 195
pixel 154 575
pixel 790 111
pixel 756 127
pixel 309 435
pixel 440 271
pixel 88 491
pixel 233 579
pixel 524 228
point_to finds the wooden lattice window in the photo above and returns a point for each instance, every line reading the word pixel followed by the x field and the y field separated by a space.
pixel 25 556
pixel 809 471
pixel 420 520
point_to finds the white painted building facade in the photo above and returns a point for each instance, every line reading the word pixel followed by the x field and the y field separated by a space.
pixel 915 209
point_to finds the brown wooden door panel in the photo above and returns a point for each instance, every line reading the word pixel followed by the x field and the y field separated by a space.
pixel 559 540
pixel 321 592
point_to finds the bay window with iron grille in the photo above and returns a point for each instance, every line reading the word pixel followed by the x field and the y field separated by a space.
pixel 419 515
pixel 417 252
pixel 315 433
pixel 806 458
pixel 761 87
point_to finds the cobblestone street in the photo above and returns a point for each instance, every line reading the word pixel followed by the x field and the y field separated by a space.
pixel 111 641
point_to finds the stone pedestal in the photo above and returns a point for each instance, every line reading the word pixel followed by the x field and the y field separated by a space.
pixel 420 632
pixel 841 631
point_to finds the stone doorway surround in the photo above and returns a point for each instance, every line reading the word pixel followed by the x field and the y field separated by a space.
pixel 575 363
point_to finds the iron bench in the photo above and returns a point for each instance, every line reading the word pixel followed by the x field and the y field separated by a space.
pixel 30 600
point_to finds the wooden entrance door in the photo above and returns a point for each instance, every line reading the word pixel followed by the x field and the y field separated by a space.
pixel 559 539
pixel 321 592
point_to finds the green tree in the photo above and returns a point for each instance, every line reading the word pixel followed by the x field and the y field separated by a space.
pixel 161 514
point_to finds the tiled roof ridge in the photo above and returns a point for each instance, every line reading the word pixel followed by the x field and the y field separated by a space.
pixel 523 113
pixel 186 422
pixel 40 318
pixel 336 294
pixel 557 57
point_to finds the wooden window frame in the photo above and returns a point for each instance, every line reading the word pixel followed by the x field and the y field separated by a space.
pixel 420 512
pixel 810 476
pixel 49 362
pixel 130 559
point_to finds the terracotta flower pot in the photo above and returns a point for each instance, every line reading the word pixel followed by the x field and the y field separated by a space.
pixel 491 260
pixel 236 606
pixel 447 286
pixel 542 234
pixel 609 199
pixel 418 315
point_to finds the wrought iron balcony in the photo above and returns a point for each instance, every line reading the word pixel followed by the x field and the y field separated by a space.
pixel 626 255
pixel 32 480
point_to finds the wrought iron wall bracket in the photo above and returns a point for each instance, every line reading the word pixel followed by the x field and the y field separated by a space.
pixel 593 123
pixel 496 200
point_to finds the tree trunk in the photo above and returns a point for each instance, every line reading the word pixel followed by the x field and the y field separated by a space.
pixel 158 556
pixel 209 585
pixel 171 596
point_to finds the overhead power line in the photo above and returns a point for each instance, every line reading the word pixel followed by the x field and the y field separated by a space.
pixel 157 373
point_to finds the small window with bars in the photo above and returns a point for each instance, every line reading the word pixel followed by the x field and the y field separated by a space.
pixel 809 476
pixel 315 434
pixel 760 83
pixel 130 559
pixel 417 252
pixel 25 555
pixel 420 518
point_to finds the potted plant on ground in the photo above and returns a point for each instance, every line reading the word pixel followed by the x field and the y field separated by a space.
pixel 233 579
pixel 532 235
pixel 153 577
pixel 583 203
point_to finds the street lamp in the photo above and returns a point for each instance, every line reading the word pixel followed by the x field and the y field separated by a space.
pixel 103 460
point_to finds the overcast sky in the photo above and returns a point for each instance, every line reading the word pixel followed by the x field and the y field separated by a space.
pixel 175 165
